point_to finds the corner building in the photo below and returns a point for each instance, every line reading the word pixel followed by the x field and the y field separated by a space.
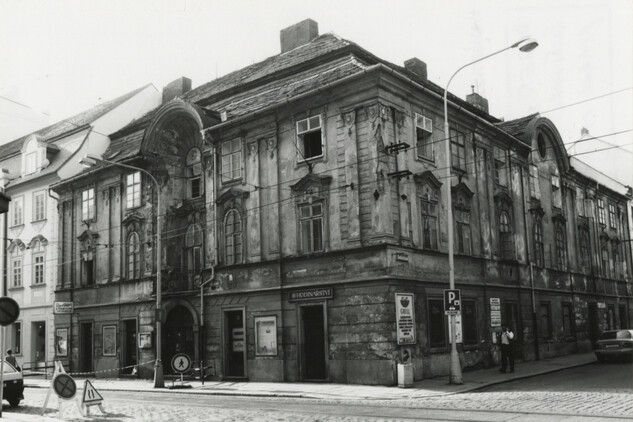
pixel 303 192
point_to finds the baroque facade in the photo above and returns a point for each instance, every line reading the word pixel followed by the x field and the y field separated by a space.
pixel 300 194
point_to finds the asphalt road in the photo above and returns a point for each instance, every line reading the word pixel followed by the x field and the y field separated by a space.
pixel 588 393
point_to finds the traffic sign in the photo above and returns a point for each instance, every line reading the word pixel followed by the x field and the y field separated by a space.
pixel 181 363
pixel 9 311
pixel 64 386
pixel 452 302
pixel 91 395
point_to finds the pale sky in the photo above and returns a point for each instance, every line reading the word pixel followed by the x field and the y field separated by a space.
pixel 62 57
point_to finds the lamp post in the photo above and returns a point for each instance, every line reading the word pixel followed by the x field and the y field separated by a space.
pixel 90 160
pixel 525 45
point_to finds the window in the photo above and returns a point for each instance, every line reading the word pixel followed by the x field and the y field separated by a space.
pixel 584 248
pixel 193 244
pixel 612 220
pixel 512 317
pixel 31 163
pixel 539 255
pixel 545 327
pixel 568 320
pixel 604 255
pixel 310 139
pixel 611 317
pixel 16 332
pixel 133 192
pixel 469 323
pixel 615 262
pixel 88 204
pixel 535 191
pixel 505 236
pixel 557 196
pixel 580 202
pixel 601 215
pixel 231 160
pixel 424 136
pixel 133 256
pixel 462 231
pixel 194 173
pixel 561 258
pixel 39 205
pixel 17 217
pixel 458 150
pixel 311 222
pixel 233 237
pixel 88 271
pixel 16 272
pixel 541 145
pixel 437 329
pixel 624 323
pixel 38 269
pixel 500 166
pixel 429 222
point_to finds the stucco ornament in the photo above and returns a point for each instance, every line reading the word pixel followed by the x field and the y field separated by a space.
pixel 252 149
pixel 349 119
pixel 271 144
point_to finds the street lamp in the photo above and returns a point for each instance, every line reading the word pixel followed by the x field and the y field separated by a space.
pixel 525 45
pixel 90 160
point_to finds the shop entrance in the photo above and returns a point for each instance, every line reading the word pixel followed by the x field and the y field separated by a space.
pixel 235 343
pixel 594 329
pixel 128 345
pixel 178 335
pixel 85 339
pixel 313 365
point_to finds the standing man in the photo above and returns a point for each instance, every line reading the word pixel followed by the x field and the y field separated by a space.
pixel 11 359
pixel 505 342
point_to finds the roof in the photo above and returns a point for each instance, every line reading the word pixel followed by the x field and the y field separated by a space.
pixel 517 127
pixel 69 124
pixel 586 170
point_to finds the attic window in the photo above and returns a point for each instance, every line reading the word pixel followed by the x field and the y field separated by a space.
pixel 31 163
pixel 542 146
pixel 310 139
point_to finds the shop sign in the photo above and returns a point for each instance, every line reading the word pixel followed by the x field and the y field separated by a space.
pixel 63 308
pixel 311 294
pixel 495 312
pixel 405 318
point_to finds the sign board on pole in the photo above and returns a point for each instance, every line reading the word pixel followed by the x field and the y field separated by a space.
pixel 60 308
pixel 181 363
pixel 91 395
pixel 405 318
pixel 452 302
pixel 64 386
pixel 495 312
pixel 9 311
pixel 458 329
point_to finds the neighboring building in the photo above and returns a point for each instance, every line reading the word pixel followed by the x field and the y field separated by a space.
pixel 307 190
pixel 29 166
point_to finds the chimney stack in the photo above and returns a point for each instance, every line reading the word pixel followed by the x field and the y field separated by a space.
pixel 176 88
pixel 584 132
pixel 417 67
pixel 298 34
pixel 477 100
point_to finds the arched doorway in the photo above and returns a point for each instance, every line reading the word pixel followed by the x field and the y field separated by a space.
pixel 179 335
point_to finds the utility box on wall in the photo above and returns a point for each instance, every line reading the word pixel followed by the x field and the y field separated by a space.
pixel 405 375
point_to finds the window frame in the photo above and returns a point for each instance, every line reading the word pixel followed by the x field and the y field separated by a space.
pixel 535 187
pixel 463 233
pixel 194 173
pixel 499 168
pixel 39 269
pixel 15 202
pixel 30 163
pixel 310 220
pixel 233 235
pixel 612 218
pixel 429 223
pixel 133 256
pixel 134 190
pixel 545 330
pixel 309 129
pixel 435 332
pixel 568 329
pixel 604 258
pixel 561 247
pixel 88 204
pixel 537 241
pixel 602 218
pixel 42 216
pixel 13 259
pixel 230 158
pixel 469 324
pixel 460 148
pixel 16 334
pixel 424 137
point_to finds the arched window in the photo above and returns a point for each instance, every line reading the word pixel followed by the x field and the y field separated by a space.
pixel 428 207
pixel 584 249
pixel 232 237
pixel 16 267
pixel 194 174
pixel 616 267
pixel 37 249
pixel 133 256
pixel 193 246
pixel 504 222
pixel 560 248
pixel 604 255
pixel 539 256
pixel 505 236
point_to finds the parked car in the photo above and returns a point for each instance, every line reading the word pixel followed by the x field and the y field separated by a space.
pixel 615 344
pixel 13 384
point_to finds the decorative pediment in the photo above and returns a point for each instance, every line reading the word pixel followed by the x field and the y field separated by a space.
pixel 88 239
pixel 582 223
pixel 558 217
pixel 232 194
pixel 312 183
pixel 16 244
pixel 461 196
pixel 39 238
pixel 132 219
pixel 427 177
pixel 502 197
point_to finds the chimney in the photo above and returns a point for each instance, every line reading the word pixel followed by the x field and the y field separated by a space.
pixel 477 100
pixel 417 67
pixel 298 34
pixel 176 88
pixel 584 132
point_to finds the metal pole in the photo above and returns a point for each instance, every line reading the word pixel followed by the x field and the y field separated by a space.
pixel 2 335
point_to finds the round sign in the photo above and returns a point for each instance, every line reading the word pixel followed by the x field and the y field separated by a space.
pixel 9 311
pixel 181 363
pixel 64 386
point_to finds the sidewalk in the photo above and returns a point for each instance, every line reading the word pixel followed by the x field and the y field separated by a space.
pixel 426 388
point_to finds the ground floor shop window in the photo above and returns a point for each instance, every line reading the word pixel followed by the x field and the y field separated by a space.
pixel 611 317
pixel 39 341
pixel 16 335
pixel 624 323
pixel 545 326
pixel 437 329
pixel 511 317
pixel 469 322
pixel 568 320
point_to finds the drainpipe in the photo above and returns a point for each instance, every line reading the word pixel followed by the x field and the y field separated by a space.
pixel 279 258
pixel 529 260
pixel 5 260
pixel 202 322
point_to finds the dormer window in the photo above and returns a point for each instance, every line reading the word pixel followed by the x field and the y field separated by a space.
pixel 31 162
pixel 194 171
